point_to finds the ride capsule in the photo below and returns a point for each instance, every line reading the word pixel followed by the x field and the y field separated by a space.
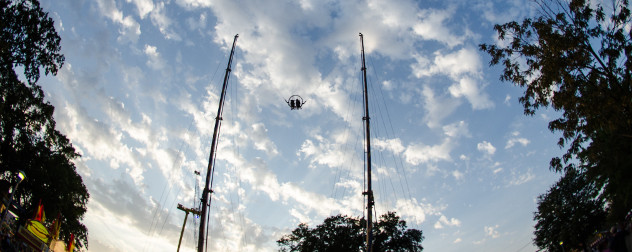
pixel 295 102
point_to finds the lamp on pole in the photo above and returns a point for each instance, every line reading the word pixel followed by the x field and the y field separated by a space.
pixel 21 177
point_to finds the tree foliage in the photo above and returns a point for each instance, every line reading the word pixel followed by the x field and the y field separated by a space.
pixel 577 59
pixel 570 213
pixel 29 140
pixel 343 233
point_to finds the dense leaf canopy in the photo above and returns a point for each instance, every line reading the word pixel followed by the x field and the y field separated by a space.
pixel 569 213
pixel 576 57
pixel 577 60
pixel 28 138
pixel 343 233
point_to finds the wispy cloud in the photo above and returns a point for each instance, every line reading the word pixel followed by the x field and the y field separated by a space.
pixel 515 139
pixel 130 28
pixel 163 22
pixel 457 129
pixel 521 178
pixel 140 131
pixel 437 107
pixel 457 175
pixel 492 231
pixel 443 221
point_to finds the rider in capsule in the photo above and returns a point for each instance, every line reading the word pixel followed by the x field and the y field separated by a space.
pixel 298 104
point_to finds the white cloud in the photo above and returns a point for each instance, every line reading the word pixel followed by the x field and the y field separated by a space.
pixel 261 141
pixel 326 152
pixel 456 129
pixel 507 100
pixel 163 23
pixel 492 231
pixel 520 140
pixel 155 61
pixel 472 92
pixel 519 179
pixel 264 180
pixel 486 148
pixel 388 85
pixel 144 7
pixel 300 215
pixel 418 153
pixel 464 67
pixel 115 229
pixel 415 212
pixel 130 28
pixel 437 108
pixel 457 175
pixel 280 49
pixel 444 221
pixel 393 145
pixel 462 62
pixel 431 27
pixel 100 141
pixel 512 10
pixel 193 4
pixel 200 23
pixel 431 169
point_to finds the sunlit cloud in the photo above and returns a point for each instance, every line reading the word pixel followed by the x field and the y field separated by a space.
pixel 141 108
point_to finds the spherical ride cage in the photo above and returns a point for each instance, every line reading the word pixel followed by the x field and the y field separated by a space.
pixel 295 102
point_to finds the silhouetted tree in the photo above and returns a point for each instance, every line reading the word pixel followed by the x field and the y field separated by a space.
pixel 28 138
pixel 570 213
pixel 576 59
pixel 343 233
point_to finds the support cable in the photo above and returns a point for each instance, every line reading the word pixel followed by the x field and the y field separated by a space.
pixel 390 122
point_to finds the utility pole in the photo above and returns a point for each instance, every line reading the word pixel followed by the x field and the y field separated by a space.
pixel 187 211
pixel 207 190
pixel 369 191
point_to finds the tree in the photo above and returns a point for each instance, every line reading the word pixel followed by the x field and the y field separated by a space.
pixel 28 138
pixel 576 60
pixel 343 233
pixel 570 213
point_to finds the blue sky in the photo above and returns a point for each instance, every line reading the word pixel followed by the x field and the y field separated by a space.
pixel 453 153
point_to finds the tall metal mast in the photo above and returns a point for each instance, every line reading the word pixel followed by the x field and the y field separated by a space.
pixel 369 191
pixel 207 191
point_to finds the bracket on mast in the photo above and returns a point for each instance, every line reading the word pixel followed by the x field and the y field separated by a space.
pixel 187 211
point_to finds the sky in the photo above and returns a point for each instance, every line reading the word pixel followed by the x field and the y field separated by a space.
pixel 452 152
